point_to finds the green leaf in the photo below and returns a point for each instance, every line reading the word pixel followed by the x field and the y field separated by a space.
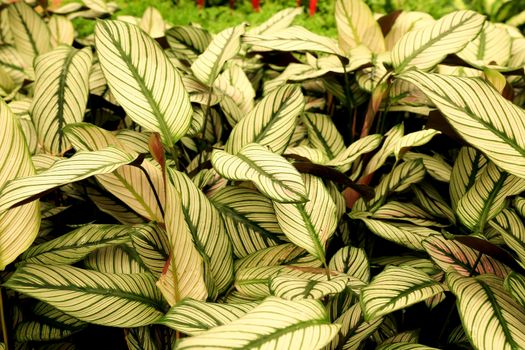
pixel 141 338
pixel 249 219
pixel 512 229
pixel 15 235
pixel 188 41
pixel 80 166
pixel 151 244
pixel 271 123
pixel 483 119
pixel 515 285
pixel 309 225
pixel 76 245
pixel 490 317
pixel 425 47
pixel 486 198
pixel 194 317
pixel 356 26
pixel 272 174
pixel 468 167
pixel 116 300
pixel 148 87
pixel 280 323
pixel 354 328
pixel 396 288
pixel 222 48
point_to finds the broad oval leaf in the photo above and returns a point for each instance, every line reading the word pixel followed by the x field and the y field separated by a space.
pixel 62 30
pixel 151 244
pixel 356 26
pixel 512 229
pixel 468 167
pixel 61 93
pixel 294 288
pixel 149 87
pixel 15 235
pixel 280 324
pixel 413 139
pixel 396 288
pixel 424 48
pixel 271 123
pixel 273 175
pixel 278 21
pixel 352 261
pixel 490 317
pixel 120 259
pixel 283 254
pixel 194 317
pixel 116 300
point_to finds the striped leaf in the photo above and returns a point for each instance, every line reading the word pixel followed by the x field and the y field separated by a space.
pixel 194 317
pixel 116 300
pixel 271 123
pixel 405 346
pixel 360 147
pixel 141 338
pixel 13 63
pixel 410 337
pixel 76 245
pixel 151 244
pixel 272 174
pixel 119 259
pixel 235 87
pixel 405 22
pixel 356 26
pixel 490 317
pixel 409 212
pixel 152 22
pixel 293 288
pixel 512 229
pixel 249 219
pixel 278 21
pixel 188 41
pixel 148 87
pixel 207 232
pixel 222 48
pixel 52 324
pixel 30 32
pixel 61 30
pixel 186 251
pixel 468 167
pixel 519 204
pixel 15 235
pixel 280 323
pixel 481 120
pixel 434 165
pixel 426 47
pixel 392 137
pixel 113 207
pixel 309 225
pixel 515 285
pixel 80 166
pixel 449 254
pixel 283 254
pixel 352 261
pixel 396 288
pixel 413 139
pixel 294 38
pixel 61 93
pixel 354 329
pixel 486 198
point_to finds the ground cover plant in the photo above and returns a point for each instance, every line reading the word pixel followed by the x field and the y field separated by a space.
pixel 262 187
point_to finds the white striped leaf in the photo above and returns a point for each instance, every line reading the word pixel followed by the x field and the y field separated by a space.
pixel 405 346
pixel 519 204
pixel 148 87
pixel 15 162
pixel 30 32
pixel 490 317
pixel 275 323
pixel 140 338
pixel 222 48
pixel 184 274
pixel 356 26
pixel 61 30
pixel 512 229
pixel 294 38
pixel 449 254
pixel 235 88
pixel 485 119
pixel 309 225
pixel 80 166
pixel 352 261
pixel 152 22
pixel 392 136
pixel 283 254
pixel 468 167
pixel 271 123
pixel 292 288
pixel 115 300
pixel 272 174
pixel 492 47
pixel 194 317
pixel 13 63
pixel 113 207
pixel 119 259
pixel 486 198
pixel 396 288
pixel 413 139
pixel 515 285
pixel 134 140
pixel 425 47
pixel 411 336
pixel 52 324
pixel 360 147
pixel 99 6
pixel 151 244
pixel 323 134
pixel 405 22
pixel 61 93
pixel 76 245
pixel 207 232
pixel 434 165
pixel 278 21
pixel 128 183
pixel 249 219
pixel 409 212
pixel 188 42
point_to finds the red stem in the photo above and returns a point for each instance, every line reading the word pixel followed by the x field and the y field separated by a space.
pixel 256 4
pixel 313 7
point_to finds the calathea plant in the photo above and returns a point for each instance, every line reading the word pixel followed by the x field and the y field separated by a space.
pixel 262 187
